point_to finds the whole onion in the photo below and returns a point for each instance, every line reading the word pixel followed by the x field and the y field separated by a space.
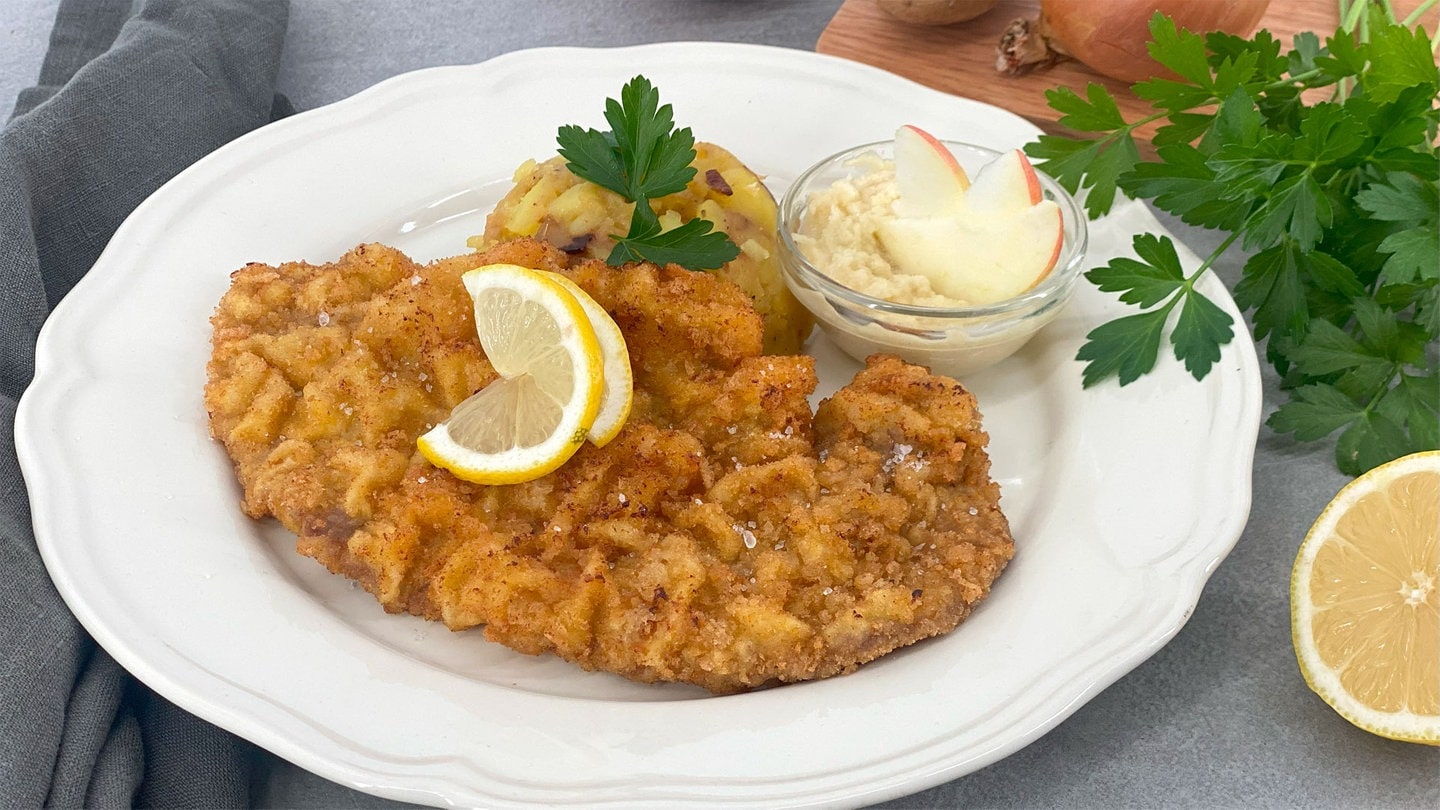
pixel 1110 36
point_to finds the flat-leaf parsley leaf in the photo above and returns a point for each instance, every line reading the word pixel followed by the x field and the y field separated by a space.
pixel 644 157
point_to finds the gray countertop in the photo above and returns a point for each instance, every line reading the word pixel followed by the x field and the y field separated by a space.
pixel 1219 717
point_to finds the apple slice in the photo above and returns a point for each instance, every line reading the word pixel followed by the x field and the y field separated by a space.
pixel 993 240
pixel 1009 182
pixel 930 180
pixel 981 258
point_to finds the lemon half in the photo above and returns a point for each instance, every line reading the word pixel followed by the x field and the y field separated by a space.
pixel 1365 601
pixel 540 410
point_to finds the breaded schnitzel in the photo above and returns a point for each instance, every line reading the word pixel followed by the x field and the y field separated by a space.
pixel 727 537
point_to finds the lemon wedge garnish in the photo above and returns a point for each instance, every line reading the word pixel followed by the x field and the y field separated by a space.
pixel 1365 601
pixel 615 400
pixel 539 411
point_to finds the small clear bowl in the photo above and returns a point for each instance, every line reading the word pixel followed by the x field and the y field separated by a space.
pixel 954 341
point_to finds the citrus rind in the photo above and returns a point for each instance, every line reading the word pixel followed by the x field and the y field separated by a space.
pixel 618 395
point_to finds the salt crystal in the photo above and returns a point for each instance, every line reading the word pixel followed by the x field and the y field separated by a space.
pixel 974 511
pixel 423 377
pixel 828 591
pixel 324 318
pixel 415 281
pixel 422 479
pixel 898 453
pixel 746 536
pixel 623 500
pixel 730 430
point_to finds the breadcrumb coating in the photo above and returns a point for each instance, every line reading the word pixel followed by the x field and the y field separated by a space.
pixel 728 537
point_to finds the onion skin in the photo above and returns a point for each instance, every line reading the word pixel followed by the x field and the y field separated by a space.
pixel 1110 36
pixel 935 12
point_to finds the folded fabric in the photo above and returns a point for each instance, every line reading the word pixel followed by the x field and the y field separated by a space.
pixel 125 101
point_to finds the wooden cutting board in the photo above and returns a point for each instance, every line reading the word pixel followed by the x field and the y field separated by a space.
pixel 960 58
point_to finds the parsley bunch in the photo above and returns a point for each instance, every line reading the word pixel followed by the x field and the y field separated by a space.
pixel 642 158
pixel 1334 201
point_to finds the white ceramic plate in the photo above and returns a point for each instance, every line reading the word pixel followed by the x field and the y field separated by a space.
pixel 1122 500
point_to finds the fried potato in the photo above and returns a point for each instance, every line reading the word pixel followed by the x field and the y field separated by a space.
pixel 550 203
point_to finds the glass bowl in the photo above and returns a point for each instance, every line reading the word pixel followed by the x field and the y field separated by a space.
pixel 954 341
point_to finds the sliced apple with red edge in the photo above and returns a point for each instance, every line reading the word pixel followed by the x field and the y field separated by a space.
pixel 981 242
pixel 931 181
pixel 1007 183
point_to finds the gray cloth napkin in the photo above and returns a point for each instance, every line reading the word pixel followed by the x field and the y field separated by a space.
pixel 126 100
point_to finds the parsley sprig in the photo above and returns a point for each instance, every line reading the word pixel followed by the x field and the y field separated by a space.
pixel 1333 200
pixel 642 158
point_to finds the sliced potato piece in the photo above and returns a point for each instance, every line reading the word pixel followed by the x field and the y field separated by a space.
pixel 551 203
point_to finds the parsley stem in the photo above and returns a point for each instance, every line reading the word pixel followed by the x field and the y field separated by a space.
pixel 1293 78
pixel 1395 369
pixel 1130 128
pixel 1211 259
pixel 1419 10
pixel 1351 19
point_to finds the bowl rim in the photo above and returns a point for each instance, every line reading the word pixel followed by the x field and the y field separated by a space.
pixel 1057 283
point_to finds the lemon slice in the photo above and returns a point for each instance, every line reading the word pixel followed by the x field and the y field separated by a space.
pixel 616 399
pixel 1365 601
pixel 537 414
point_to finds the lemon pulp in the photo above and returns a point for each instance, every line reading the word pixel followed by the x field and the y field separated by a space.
pixel 1365 601
pixel 534 416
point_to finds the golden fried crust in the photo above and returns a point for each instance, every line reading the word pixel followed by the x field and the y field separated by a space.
pixel 727 537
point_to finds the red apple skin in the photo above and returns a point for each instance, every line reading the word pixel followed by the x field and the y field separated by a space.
pixel 1031 181
pixel 944 152
pixel 1059 242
